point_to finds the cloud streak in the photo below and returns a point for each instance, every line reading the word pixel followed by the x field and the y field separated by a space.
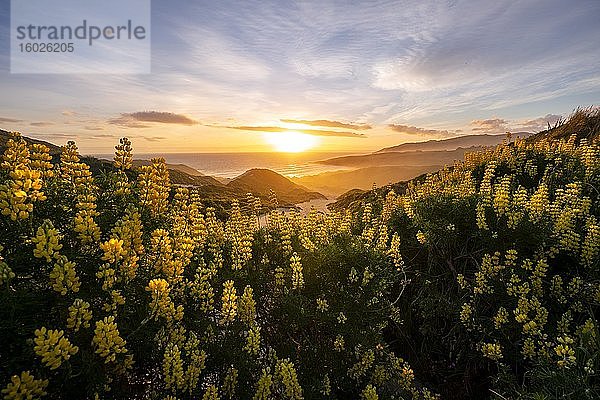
pixel 10 120
pixel 314 132
pixel 413 130
pixel 140 119
pixel 492 125
pixel 541 123
pixel 328 124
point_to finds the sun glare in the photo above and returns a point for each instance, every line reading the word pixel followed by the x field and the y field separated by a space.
pixel 291 141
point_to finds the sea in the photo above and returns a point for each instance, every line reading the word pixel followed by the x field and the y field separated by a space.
pixel 230 165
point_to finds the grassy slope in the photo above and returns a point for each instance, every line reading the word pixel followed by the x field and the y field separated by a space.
pixel 584 122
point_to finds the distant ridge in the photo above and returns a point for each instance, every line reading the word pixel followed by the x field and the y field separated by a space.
pixel 403 158
pixel 485 140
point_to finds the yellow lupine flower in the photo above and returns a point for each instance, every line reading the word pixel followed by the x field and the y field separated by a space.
pixel 211 393
pixel 247 306
pixel 229 305
pixel 79 315
pixel 285 374
pixel 123 155
pixel 53 347
pixel 162 305
pixel 24 185
pixel 107 340
pixel 322 305
pixel 364 363
pixel 6 273
pixel 113 250
pixel 565 352
pixel 492 351
pixel 230 382
pixel 369 393
pixel 87 229
pixel 173 367
pixel 339 343
pixel 25 386
pixel 501 317
pixel 63 276
pixel 297 277
pixel 46 242
pixel 253 340
pixel 154 185
pixel 421 237
pixel 263 387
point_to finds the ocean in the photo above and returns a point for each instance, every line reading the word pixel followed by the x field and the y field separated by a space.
pixel 230 165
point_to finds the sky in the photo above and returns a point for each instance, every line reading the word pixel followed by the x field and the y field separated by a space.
pixel 356 76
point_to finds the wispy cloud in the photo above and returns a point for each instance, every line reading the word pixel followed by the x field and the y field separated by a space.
pixel 413 130
pixel 328 123
pixel 42 123
pixel 492 125
pixel 154 138
pixel 10 120
pixel 541 123
pixel 53 136
pixel 103 136
pixel 139 119
pixel 314 132
pixel 127 122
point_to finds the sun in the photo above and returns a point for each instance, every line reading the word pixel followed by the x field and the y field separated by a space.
pixel 291 141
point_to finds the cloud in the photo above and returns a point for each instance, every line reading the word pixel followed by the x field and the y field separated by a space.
pixel 314 132
pixel 154 138
pixel 42 123
pixel 328 123
pixel 103 136
pixel 69 113
pixel 127 122
pixel 4 119
pixel 493 125
pixel 138 119
pixel 93 128
pixel 53 136
pixel 413 130
pixel 541 123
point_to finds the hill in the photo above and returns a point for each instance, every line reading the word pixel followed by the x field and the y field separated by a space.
pixel 407 158
pixel 5 135
pixel 398 163
pixel 261 181
pixel 337 182
pixel 453 143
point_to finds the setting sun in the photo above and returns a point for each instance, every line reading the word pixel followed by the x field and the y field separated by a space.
pixel 291 141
